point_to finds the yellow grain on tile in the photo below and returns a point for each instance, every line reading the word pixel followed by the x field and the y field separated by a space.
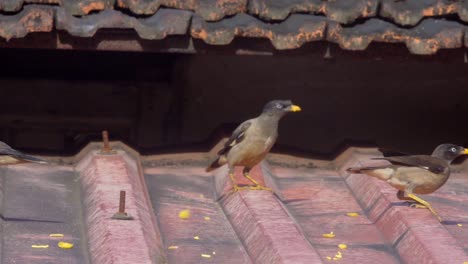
pixel 353 214
pixel 184 214
pixel 65 245
pixel 206 255
pixel 172 247
pixel 329 235
pixel 343 246
pixel 40 246
pixel 56 235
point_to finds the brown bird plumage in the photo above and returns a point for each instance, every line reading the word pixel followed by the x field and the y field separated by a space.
pixel 416 174
pixel 9 155
pixel 252 140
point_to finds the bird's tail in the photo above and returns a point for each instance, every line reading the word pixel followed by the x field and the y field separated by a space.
pixel 30 158
pixel 362 169
pixel 220 161
pixel 354 170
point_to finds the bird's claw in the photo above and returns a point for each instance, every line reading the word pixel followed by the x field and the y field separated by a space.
pixel 237 188
pixel 417 205
pixel 421 206
pixel 260 187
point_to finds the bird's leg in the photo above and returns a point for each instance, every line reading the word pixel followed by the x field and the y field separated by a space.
pixel 257 185
pixel 412 203
pixel 424 203
pixel 235 187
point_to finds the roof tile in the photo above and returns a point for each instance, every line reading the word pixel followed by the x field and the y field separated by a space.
pixel 343 11
pixel 31 19
pixel 411 12
pixel 84 7
pixel 426 38
pixel 209 10
pixel 164 22
pixel 292 33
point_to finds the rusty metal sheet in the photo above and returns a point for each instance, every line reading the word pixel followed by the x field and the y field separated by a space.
pixel 343 11
pixel 426 38
pixel 411 12
pixel 164 22
pixel 210 10
pixel 290 34
pixel 31 19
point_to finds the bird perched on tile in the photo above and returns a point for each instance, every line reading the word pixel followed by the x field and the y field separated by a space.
pixel 416 174
pixel 252 140
pixel 9 155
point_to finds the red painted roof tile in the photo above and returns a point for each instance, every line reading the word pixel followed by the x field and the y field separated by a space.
pixel 245 227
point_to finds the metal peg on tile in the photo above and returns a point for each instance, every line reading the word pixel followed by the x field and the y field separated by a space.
pixel 106 148
pixel 121 214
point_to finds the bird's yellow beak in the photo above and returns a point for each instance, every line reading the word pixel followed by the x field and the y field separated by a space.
pixel 295 108
pixel 465 151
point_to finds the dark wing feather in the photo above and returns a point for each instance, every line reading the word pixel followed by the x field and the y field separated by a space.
pixel 426 162
pixel 236 137
pixel 390 153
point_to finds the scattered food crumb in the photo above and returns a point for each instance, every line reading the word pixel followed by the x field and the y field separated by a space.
pixel 207 218
pixel 335 258
pixel 206 255
pixel 56 235
pixel 40 246
pixel 214 253
pixel 173 247
pixel 184 214
pixel 196 237
pixel 352 214
pixel 329 258
pixel 65 245
pixel 329 235
pixel 459 225
pixel 343 246
pixel 338 255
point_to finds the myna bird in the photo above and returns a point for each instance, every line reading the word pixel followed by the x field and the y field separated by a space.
pixel 252 140
pixel 416 174
pixel 9 155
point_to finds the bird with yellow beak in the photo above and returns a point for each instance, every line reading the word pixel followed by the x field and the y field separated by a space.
pixel 416 174
pixel 252 140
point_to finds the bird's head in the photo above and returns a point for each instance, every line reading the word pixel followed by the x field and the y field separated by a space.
pixel 449 152
pixel 280 107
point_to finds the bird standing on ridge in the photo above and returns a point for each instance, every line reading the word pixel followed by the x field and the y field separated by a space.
pixel 252 140
pixel 9 155
pixel 416 174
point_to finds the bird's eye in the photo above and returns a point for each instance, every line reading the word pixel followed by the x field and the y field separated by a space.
pixel 279 106
pixel 453 149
